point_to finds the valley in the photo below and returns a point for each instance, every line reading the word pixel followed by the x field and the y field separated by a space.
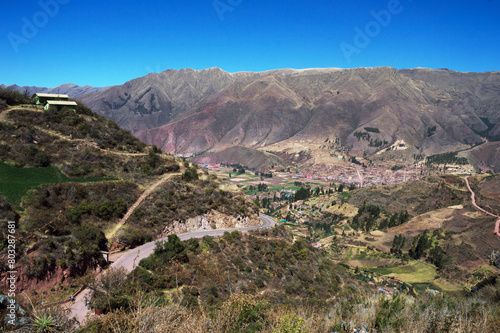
pixel 325 216
pixel 234 166
pixel 279 202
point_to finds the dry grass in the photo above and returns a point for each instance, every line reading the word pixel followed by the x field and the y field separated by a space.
pixel 250 313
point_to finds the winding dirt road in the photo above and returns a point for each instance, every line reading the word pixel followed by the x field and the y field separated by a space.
pixel 496 230
pixel 131 259
pixel 136 204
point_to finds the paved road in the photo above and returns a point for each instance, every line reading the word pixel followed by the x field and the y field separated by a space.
pixel 473 198
pixel 131 258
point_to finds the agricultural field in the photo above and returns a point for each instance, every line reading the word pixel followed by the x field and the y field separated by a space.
pixel 17 181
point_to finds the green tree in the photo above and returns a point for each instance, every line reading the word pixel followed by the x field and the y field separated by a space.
pixel 302 194
pixel 110 290
pixel 422 243
pixel 173 247
pixel 190 174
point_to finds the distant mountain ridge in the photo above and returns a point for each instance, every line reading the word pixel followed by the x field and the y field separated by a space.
pixel 429 111
pixel 70 89
pixel 382 113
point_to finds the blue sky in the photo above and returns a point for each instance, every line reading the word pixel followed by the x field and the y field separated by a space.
pixel 101 43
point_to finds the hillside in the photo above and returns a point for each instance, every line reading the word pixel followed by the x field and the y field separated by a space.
pixel 441 205
pixel 266 281
pixel 311 108
pixel 369 109
pixel 158 98
pixel 67 179
pixel 250 158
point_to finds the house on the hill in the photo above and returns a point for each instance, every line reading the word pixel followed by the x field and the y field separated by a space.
pixel 71 105
pixel 41 98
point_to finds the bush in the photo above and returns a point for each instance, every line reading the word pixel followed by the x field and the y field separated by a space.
pixel 241 313
pixel 13 97
pixel 164 252
pixel 190 174
pixel 110 291
pixel 133 237
pixel 389 314
pixel 89 235
pixel 39 266
pixel 173 247
pixel 41 159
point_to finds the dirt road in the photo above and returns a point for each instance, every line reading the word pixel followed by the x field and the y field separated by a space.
pixel 496 230
pixel 136 204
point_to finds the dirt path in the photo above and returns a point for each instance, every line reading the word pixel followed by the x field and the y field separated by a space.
pixel 136 204
pixel 473 198
pixel 4 118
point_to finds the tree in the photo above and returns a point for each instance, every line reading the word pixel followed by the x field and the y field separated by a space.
pixel 438 257
pixel 397 244
pixel 421 243
pixel 153 159
pixel 109 291
pixel 171 248
pixel 190 174
pixel 302 194
pixel 316 191
pixel 89 235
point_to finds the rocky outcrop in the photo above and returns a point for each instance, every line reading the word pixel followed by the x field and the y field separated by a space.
pixel 208 221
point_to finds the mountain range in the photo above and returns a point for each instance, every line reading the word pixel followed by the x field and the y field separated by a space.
pixel 365 110
pixel 70 89
pixel 380 113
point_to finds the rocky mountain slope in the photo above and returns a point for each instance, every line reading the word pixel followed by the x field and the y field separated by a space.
pixel 424 111
pixel 159 98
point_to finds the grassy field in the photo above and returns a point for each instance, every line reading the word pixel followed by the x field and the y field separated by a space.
pixel 15 182
pixel 414 272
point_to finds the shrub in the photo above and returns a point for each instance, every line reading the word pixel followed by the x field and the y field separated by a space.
pixel 290 323
pixel 41 159
pixel 190 174
pixel 241 313
pixel 389 314
pixel 133 237
pixel 109 292
pixel 13 97
pixel 89 235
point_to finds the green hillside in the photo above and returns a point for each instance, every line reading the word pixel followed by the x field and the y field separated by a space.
pixel 67 178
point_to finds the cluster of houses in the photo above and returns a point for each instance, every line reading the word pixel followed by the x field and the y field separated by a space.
pixel 58 101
